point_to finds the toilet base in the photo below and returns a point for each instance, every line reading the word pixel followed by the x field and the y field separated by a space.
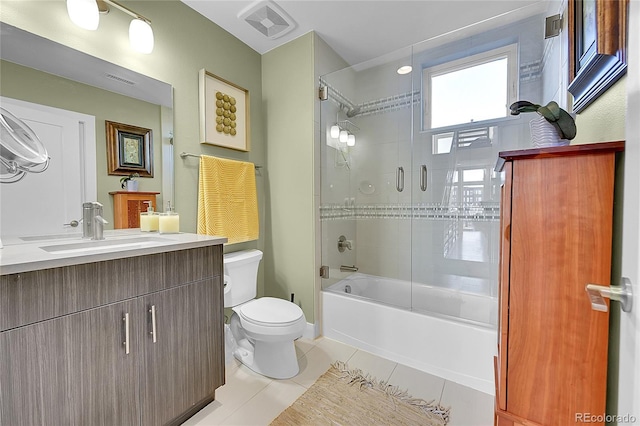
pixel 277 360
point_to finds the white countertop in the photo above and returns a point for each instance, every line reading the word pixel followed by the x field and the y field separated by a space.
pixel 52 251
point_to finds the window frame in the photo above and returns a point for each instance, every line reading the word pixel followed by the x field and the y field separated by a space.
pixel 510 52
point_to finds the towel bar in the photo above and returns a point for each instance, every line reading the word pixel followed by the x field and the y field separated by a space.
pixel 186 154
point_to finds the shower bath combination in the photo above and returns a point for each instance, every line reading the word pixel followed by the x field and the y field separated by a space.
pixel 423 211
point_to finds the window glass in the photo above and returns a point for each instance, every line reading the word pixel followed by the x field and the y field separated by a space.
pixel 472 89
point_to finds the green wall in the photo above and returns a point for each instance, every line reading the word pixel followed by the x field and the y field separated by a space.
pixel 604 119
pixel 288 96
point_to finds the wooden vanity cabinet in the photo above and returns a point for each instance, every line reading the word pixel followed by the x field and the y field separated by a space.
pixel 127 206
pixel 555 237
pixel 71 365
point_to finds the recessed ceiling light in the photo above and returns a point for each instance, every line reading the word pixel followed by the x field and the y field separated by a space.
pixel 405 69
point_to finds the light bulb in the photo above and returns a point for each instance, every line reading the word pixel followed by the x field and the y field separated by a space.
pixel 351 140
pixel 405 69
pixel 335 131
pixel 344 135
pixel 141 36
pixel 84 13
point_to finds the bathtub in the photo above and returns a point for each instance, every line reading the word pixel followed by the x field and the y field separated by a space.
pixel 455 340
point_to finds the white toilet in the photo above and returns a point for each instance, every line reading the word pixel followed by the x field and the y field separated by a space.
pixel 265 328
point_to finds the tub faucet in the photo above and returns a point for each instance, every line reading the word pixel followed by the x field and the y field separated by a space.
pixel 92 221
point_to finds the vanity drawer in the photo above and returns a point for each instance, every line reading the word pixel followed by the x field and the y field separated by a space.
pixel 187 266
pixel 29 297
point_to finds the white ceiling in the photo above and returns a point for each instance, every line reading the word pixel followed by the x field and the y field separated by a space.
pixel 360 30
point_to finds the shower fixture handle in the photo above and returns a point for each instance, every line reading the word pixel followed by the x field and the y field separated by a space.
pixel 344 244
pixel 423 177
pixel 400 179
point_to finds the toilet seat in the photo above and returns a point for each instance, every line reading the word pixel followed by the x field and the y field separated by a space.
pixel 271 319
pixel 270 312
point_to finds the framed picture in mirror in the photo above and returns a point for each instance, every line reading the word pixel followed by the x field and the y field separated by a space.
pixel 129 149
pixel 597 48
pixel 224 113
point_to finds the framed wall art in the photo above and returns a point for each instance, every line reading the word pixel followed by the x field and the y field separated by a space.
pixel 129 149
pixel 224 113
pixel 597 48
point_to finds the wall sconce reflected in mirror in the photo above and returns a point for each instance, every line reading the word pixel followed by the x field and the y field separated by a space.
pixel 86 14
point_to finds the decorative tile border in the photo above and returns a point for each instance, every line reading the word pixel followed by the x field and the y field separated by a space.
pixel 433 211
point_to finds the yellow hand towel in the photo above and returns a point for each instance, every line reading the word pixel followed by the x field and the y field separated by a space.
pixel 227 199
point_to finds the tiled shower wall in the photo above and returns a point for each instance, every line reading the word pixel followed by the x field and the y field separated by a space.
pixel 413 234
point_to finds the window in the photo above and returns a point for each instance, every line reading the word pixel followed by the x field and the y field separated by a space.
pixel 476 88
pixel 476 137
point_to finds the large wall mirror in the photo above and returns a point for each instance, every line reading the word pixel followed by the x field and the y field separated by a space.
pixel 41 74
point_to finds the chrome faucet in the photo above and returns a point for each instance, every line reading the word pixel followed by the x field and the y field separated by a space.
pixel 92 221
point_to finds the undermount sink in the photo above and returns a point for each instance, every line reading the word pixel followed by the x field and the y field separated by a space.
pixel 98 245
pixel 32 238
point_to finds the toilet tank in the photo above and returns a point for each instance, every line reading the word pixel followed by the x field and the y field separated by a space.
pixel 240 276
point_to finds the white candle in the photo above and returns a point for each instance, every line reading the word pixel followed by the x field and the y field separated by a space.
pixel 149 222
pixel 169 223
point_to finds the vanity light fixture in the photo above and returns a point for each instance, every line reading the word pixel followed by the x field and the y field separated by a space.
pixel 344 136
pixel 335 131
pixel 405 69
pixel 351 140
pixel 85 14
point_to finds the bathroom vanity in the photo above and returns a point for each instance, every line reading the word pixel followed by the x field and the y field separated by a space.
pixel 123 331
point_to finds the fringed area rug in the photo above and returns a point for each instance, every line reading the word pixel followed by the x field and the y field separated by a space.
pixel 349 397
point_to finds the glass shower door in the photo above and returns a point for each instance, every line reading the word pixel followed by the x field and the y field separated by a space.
pixel 455 213
pixel 366 188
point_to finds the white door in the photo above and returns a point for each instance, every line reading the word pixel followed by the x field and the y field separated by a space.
pixel 42 203
pixel 629 386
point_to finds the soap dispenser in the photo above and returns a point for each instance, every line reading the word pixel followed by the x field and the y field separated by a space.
pixel 169 221
pixel 149 220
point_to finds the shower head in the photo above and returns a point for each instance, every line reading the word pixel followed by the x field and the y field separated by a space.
pixel 352 112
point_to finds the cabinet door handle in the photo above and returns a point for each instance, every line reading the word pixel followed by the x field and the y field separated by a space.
pixel 126 333
pixel 400 179
pixel 423 177
pixel 153 322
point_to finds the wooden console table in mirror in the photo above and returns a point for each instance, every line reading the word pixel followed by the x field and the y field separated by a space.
pixel 127 206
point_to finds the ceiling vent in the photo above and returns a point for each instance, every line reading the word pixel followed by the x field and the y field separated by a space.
pixel 268 18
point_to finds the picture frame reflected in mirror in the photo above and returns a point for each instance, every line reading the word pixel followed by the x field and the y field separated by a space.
pixel 129 149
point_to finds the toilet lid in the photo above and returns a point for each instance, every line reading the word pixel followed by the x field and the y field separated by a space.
pixel 270 310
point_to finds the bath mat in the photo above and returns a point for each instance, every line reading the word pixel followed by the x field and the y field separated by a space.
pixel 344 396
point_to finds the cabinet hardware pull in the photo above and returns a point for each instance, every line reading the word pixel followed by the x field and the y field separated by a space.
pixel 400 179
pixel 153 322
pixel 126 333
pixel 423 177
pixel 622 293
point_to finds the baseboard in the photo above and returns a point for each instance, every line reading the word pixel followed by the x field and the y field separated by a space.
pixel 311 331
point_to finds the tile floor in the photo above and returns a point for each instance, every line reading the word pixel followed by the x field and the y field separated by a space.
pixel 248 398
